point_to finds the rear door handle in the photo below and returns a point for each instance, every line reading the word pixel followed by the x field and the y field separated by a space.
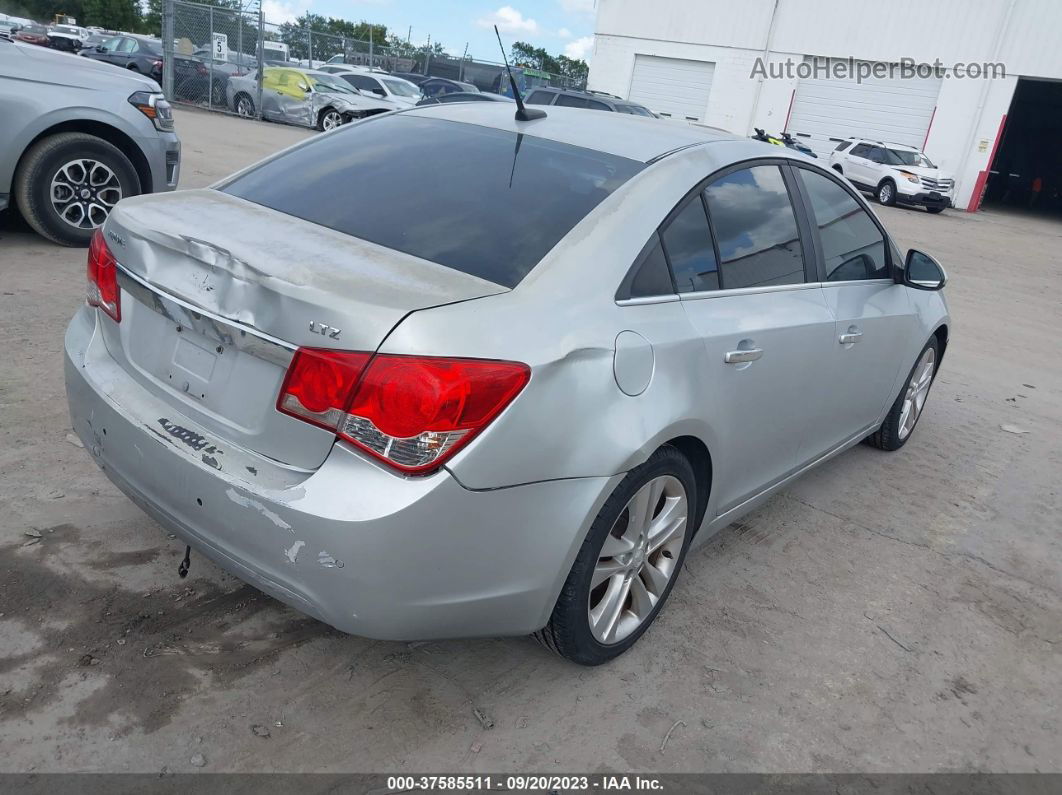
pixel 850 337
pixel 737 357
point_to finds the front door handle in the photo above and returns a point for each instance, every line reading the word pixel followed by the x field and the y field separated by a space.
pixel 850 337
pixel 737 357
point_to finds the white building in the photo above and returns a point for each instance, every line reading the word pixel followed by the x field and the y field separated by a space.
pixel 696 59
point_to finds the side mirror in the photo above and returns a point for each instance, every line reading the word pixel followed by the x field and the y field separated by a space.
pixel 101 48
pixel 304 88
pixel 379 92
pixel 922 272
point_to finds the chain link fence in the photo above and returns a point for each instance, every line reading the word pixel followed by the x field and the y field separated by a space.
pixel 215 57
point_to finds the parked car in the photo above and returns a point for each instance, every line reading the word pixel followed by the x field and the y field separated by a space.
pixel 419 399
pixel 304 97
pixel 8 29
pixel 393 93
pixel 412 77
pixel 893 173
pixel 74 141
pixel 198 77
pixel 33 34
pixel 136 53
pixel 68 38
pixel 465 96
pixel 567 98
pixel 434 86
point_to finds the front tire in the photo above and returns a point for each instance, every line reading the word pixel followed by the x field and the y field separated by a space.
pixel 244 106
pixel 628 564
pixel 67 184
pixel 887 193
pixel 900 422
pixel 329 119
pixel 934 210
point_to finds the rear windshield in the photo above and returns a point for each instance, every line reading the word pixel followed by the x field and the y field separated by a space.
pixel 483 201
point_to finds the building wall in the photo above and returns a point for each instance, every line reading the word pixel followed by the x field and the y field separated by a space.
pixel 1022 34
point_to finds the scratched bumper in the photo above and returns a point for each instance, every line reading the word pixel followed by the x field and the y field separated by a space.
pixel 350 543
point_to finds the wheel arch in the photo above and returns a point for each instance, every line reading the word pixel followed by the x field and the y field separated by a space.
pixel 126 145
pixel 697 453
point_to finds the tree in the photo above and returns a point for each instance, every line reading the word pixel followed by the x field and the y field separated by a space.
pixel 111 14
pixel 572 69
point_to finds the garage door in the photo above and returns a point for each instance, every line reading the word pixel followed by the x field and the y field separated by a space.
pixel 826 110
pixel 673 87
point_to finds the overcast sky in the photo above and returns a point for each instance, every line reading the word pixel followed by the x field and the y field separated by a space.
pixel 560 26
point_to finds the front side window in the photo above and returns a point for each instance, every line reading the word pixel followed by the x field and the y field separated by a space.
pixel 540 98
pixel 688 242
pixel 593 104
pixel 852 245
pixel 755 228
pixel 403 182
pixel 861 150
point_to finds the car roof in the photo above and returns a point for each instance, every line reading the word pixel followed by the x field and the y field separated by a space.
pixel 634 137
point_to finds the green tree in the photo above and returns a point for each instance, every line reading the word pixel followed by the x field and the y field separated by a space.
pixel 111 14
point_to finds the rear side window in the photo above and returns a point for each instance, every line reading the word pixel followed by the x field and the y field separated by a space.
pixel 688 243
pixel 651 275
pixel 852 245
pixel 755 228
pixel 403 182
pixel 540 98
pixel 860 150
pixel 568 101
pixel 593 104
pixel 842 146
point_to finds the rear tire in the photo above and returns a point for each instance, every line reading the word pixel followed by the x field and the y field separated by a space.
pixel 61 195
pixel 899 425
pixel 886 193
pixel 666 487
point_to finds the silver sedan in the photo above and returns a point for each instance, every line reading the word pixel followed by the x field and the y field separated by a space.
pixel 449 373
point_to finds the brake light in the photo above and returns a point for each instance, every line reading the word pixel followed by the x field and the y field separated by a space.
pixel 103 278
pixel 412 412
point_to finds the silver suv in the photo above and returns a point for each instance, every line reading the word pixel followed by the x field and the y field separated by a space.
pixel 78 136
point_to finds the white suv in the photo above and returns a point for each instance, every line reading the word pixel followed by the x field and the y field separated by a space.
pixel 893 173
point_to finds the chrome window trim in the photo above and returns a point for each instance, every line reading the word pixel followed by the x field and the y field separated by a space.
pixel 772 288
pixel 182 313
pixel 645 300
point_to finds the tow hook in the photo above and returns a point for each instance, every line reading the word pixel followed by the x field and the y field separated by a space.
pixel 182 569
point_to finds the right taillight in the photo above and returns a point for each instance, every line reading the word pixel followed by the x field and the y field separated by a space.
pixel 103 278
pixel 412 412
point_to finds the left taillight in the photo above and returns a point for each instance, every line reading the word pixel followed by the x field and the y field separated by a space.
pixel 411 412
pixel 103 278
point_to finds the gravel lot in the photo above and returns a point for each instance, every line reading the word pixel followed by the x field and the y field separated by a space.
pixel 888 612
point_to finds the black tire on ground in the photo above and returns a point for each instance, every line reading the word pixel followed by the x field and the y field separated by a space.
pixel 42 162
pixel 568 632
pixel 887 437
pixel 934 210
pixel 886 192
pixel 247 104
pixel 327 112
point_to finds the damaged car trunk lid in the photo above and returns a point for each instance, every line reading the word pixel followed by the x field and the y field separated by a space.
pixel 211 328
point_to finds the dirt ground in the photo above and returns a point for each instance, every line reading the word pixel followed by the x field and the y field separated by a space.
pixel 889 612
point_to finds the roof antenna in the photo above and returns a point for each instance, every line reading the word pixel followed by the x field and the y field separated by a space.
pixel 522 113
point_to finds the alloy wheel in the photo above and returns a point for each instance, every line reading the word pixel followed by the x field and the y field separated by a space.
pixel 244 108
pixel 83 193
pixel 917 391
pixel 885 194
pixel 331 120
pixel 638 559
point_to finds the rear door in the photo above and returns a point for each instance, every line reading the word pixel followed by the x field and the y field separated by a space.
pixel 857 166
pixel 874 319
pixel 740 271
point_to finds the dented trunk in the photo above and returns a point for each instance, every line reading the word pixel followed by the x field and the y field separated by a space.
pixel 217 293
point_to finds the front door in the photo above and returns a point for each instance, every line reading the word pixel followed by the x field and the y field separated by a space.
pixel 873 315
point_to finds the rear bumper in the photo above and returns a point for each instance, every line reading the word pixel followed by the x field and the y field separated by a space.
pixel 351 544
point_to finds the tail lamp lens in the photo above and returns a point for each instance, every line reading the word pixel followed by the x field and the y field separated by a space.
pixel 103 278
pixel 412 412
